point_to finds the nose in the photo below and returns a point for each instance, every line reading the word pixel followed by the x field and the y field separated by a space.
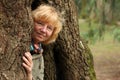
pixel 44 28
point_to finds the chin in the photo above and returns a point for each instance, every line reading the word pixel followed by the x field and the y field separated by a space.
pixel 40 40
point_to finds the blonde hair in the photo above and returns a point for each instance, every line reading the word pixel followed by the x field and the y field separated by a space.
pixel 48 14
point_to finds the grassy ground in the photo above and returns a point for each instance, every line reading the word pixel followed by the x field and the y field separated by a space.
pixel 106 54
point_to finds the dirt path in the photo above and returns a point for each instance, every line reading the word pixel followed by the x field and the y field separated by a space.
pixel 107 68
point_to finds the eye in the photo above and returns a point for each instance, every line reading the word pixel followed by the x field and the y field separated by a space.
pixel 40 23
pixel 50 28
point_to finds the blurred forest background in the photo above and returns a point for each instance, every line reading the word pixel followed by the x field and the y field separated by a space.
pixel 99 22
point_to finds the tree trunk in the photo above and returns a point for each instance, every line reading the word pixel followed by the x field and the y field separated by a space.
pixel 67 59
pixel 15 29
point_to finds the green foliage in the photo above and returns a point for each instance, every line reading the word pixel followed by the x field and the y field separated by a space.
pixel 96 31
pixel 116 10
pixel 84 7
pixel 91 35
pixel 110 9
pixel 116 34
pixel 92 32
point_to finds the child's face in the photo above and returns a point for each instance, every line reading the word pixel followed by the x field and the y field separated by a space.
pixel 42 31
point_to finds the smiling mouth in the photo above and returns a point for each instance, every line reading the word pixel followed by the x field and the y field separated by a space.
pixel 40 35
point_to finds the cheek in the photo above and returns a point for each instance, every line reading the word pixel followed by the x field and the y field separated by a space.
pixel 50 33
pixel 35 28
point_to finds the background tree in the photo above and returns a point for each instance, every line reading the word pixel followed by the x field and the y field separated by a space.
pixel 67 59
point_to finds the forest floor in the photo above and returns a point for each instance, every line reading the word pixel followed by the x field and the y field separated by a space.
pixel 106 54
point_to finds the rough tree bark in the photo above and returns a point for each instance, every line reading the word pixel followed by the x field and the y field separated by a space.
pixel 67 59
pixel 15 29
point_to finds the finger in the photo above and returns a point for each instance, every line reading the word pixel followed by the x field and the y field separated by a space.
pixel 26 61
pixel 28 56
pixel 29 69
